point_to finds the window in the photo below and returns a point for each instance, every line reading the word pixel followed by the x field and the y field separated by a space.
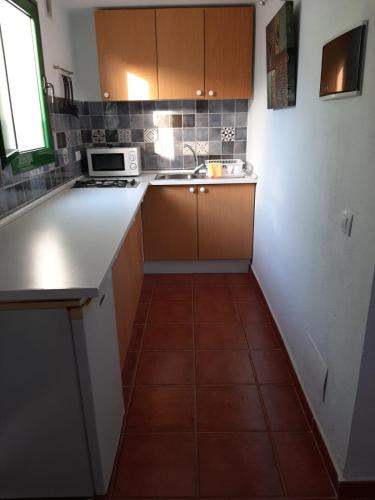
pixel 25 135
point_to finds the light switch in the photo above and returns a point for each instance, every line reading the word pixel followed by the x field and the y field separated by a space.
pixel 78 155
pixel 347 222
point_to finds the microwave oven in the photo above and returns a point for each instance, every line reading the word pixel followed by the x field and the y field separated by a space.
pixel 114 162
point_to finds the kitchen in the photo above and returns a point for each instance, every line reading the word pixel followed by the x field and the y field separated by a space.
pixel 186 276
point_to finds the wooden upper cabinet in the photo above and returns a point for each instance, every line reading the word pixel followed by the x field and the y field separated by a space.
pixel 169 215
pixel 225 215
pixel 229 52
pixel 180 47
pixel 126 41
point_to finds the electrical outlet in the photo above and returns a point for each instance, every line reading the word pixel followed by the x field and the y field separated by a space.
pixel 78 155
pixel 347 222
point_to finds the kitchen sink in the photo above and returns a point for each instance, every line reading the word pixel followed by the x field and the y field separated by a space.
pixel 166 177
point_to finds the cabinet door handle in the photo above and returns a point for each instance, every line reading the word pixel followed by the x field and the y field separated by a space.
pixel 106 94
pixel 202 189
pixel 199 92
pixel 102 300
pixel 192 190
pixel 211 93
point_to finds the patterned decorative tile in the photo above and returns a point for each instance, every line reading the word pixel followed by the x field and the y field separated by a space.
pixel 150 134
pixel 201 148
pixel 98 136
pixel 186 150
pixel 124 135
pixel 227 134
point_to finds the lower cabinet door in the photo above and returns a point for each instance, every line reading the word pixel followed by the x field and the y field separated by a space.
pixel 127 277
pixel 225 221
pixel 169 216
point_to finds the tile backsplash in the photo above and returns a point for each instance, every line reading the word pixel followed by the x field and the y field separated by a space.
pixel 214 129
pixel 17 190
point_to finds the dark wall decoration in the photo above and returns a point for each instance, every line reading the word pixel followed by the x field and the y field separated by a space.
pixel 281 59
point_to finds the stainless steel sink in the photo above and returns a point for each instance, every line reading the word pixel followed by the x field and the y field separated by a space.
pixel 183 177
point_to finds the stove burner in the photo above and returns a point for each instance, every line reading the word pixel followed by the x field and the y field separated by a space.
pixel 105 183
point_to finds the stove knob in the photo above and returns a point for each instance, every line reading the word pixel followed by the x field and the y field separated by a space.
pixel 133 166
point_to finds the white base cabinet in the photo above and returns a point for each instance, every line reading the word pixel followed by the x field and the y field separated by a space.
pixel 61 403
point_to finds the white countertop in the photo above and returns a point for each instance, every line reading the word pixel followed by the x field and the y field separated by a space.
pixel 61 249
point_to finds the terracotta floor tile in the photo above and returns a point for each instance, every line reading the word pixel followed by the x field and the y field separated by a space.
pixel 151 279
pixel 283 408
pixel 301 465
pixel 219 336
pixel 175 279
pixel 173 292
pixel 170 312
pixel 209 279
pixel 130 365
pixel 224 367
pixel 240 464
pixel 172 336
pixel 166 367
pixel 157 466
pixel 262 336
pixel 212 311
pixel 146 292
pixel 243 293
pixel 210 292
pixel 141 314
pixel 252 312
pixel 239 278
pixel 168 408
pixel 271 367
pixel 230 408
pixel 136 338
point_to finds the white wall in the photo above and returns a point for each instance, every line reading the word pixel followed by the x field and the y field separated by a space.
pixel 57 45
pixel 313 161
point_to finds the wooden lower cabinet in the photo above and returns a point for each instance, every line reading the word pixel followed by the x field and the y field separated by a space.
pixel 225 221
pixel 198 222
pixel 170 223
pixel 127 277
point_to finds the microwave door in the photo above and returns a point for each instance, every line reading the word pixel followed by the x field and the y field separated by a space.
pixel 107 164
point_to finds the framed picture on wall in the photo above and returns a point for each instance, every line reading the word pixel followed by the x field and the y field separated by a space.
pixel 281 59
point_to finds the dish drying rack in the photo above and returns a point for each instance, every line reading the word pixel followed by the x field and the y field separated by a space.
pixel 230 168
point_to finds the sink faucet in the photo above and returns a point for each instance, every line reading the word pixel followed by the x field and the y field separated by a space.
pixel 197 166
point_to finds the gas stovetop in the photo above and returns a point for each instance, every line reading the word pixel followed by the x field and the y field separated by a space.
pixel 105 183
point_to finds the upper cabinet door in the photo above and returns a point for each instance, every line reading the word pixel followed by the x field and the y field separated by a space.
pixel 228 52
pixel 126 42
pixel 180 46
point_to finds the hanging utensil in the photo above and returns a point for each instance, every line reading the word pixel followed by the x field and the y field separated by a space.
pixel 73 107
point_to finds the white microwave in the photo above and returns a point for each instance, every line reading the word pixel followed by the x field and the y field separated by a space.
pixel 114 162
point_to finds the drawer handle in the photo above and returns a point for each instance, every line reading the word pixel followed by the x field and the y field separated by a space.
pixel 102 300
pixel 106 95
pixel 199 92
pixel 202 189
pixel 192 190
pixel 211 93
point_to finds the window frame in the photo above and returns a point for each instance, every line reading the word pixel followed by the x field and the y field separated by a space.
pixel 28 160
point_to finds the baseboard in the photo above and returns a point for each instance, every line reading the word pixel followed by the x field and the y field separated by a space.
pixel 356 489
pixel 320 441
pixel 196 266
pixel 359 490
